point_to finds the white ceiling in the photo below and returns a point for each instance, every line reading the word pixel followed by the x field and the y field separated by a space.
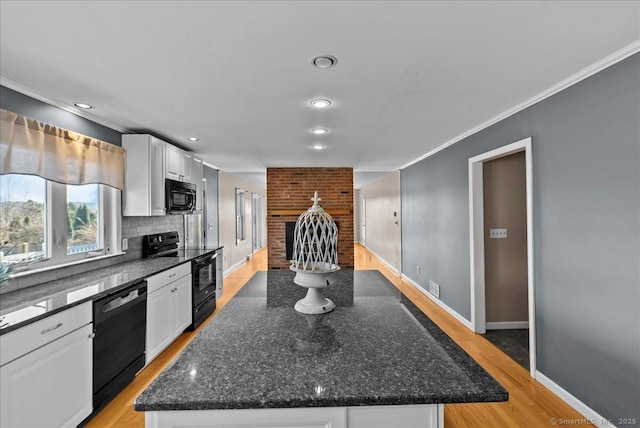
pixel 238 74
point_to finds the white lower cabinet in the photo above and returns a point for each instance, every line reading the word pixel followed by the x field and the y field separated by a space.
pixel 168 309
pixel 51 386
pixel 405 416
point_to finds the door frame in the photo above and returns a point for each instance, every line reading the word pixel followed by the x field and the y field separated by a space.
pixel 363 220
pixel 256 225
pixel 476 234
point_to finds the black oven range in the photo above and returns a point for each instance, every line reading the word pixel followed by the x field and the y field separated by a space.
pixel 203 271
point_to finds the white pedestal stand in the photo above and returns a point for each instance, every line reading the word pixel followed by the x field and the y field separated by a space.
pixel 314 302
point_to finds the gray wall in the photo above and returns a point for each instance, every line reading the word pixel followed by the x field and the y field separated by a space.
pixel 586 166
pixel 211 175
pixel 35 109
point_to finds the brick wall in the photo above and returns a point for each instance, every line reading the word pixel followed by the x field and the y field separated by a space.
pixel 293 188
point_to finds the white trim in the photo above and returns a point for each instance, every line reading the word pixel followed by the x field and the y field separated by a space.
pixel 386 263
pixel 476 239
pixel 210 166
pixel 591 415
pixel 63 265
pixel 439 302
pixel 585 73
pixel 234 267
pixel 507 325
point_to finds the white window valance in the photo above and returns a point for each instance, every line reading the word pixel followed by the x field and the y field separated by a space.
pixel 30 147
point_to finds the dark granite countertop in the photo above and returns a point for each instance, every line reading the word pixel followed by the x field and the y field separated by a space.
pixel 22 307
pixel 375 348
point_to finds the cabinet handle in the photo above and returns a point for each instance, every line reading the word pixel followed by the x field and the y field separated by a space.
pixel 47 330
pixel 92 335
pixel 172 275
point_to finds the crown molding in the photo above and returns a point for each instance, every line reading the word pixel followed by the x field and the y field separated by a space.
pixel 581 75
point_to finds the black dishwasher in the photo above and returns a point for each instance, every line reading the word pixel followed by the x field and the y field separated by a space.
pixel 120 322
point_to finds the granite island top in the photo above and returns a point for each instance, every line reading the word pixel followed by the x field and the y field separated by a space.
pixel 22 307
pixel 375 348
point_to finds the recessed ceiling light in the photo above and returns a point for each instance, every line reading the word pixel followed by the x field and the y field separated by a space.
pixel 318 146
pixel 194 138
pixel 319 131
pixel 83 105
pixel 324 61
pixel 320 103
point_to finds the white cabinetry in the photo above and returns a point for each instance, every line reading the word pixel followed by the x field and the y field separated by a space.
pixel 143 194
pixel 405 416
pixel 46 377
pixel 178 164
pixel 168 308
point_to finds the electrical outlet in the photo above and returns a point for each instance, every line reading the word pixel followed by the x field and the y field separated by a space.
pixel 125 244
pixel 497 233
pixel 418 270
pixel 434 289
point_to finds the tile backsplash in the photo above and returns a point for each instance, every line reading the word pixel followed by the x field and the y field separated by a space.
pixel 133 229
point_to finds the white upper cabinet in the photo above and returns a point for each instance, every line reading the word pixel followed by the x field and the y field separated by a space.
pixel 143 193
pixel 149 161
pixel 178 164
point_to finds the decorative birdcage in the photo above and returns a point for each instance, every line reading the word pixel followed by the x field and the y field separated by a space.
pixel 315 257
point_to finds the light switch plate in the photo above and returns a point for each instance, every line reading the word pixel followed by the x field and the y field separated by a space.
pixel 497 233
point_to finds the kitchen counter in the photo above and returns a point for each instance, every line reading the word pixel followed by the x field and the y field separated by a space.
pixel 22 307
pixel 375 349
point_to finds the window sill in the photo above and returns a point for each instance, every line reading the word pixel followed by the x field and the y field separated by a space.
pixel 63 265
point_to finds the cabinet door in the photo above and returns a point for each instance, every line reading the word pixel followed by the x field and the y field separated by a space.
pixel 51 386
pixel 173 168
pixel 160 325
pixel 156 184
pixel 187 167
pixel 181 290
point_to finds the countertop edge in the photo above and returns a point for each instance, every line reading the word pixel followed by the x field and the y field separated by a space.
pixel 345 402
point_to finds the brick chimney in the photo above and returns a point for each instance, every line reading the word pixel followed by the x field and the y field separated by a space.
pixel 289 194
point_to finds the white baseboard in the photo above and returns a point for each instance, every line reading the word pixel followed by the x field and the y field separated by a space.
pixel 439 302
pixel 386 263
pixel 590 415
pixel 507 325
pixel 234 267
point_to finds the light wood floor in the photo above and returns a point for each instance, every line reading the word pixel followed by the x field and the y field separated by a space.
pixel 530 404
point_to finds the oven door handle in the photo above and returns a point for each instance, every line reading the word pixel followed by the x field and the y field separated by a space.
pixel 205 261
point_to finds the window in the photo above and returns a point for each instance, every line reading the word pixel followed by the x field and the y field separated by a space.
pixel 46 224
pixel 240 232
pixel 23 222
pixel 83 216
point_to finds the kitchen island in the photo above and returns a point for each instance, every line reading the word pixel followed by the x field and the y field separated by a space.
pixel 375 361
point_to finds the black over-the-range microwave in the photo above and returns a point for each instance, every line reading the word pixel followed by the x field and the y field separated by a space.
pixel 180 196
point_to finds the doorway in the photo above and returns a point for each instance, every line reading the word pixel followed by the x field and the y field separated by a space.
pixel 482 234
pixel 363 220
pixel 256 221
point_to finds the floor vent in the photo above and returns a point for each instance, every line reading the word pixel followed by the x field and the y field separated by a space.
pixel 434 289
